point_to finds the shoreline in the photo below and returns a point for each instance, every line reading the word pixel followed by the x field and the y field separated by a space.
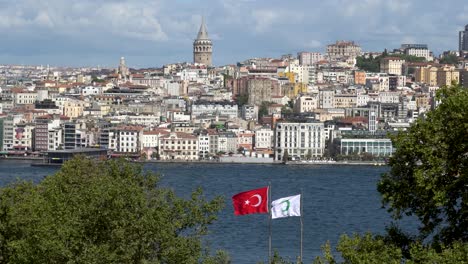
pixel 339 163
pixel 207 162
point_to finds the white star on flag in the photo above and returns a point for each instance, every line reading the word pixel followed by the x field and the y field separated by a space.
pixel 286 206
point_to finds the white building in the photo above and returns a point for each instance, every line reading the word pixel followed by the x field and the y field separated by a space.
pixel 362 99
pixel 249 112
pixel 215 108
pixel 263 138
pixel 178 146
pixel 304 73
pixel 150 139
pixel 306 103
pixel 392 65
pixel 420 52
pixel 299 140
pixel 227 142
pixel 326 99
pixel 129 139
pixel 309 58
pixel 91 90
pixel 23 134
pixel 24 97
pixel 389 97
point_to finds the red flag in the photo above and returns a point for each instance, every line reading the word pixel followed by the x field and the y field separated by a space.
pixel 251 202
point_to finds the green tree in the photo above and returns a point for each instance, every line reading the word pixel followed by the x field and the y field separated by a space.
pixel 102 212
pixel 449 59
pixel 285 156
pixel 263 110
pixel 429 170
pixel 363 249
pixel 242 99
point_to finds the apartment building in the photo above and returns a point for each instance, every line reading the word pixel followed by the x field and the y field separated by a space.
pixel 299 139
pixel 392 65
pixel 178 146
pixel 343 49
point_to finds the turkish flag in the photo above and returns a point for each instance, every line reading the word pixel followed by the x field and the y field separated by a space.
pixel 251 202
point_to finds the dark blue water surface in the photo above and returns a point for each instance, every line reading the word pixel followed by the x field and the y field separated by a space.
pixel 336 200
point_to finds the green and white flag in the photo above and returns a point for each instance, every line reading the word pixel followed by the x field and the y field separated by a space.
pixel 287 206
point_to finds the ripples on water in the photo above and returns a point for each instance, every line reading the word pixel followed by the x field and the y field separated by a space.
pixel 337 200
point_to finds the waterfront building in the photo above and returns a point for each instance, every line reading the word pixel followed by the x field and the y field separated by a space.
pixel 213 138
pixel 263 138
pixel 379 147
pixel 150 138
pixel 129 139
pixel 246 140
pixel 178 146
pixel 72 137
pixel 203 47
pixel 48 132
pixel 227 142
pixel 203 145
pixel 299 139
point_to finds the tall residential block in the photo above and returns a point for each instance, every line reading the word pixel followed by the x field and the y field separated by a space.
pixel 463 40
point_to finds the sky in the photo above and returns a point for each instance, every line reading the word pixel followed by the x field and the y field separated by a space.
pixel 151 33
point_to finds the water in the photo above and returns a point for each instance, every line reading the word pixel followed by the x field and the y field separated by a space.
pixel 337 200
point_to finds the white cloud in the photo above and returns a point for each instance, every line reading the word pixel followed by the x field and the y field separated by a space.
pixel 313 44
pixel 264 19
pixel 70 17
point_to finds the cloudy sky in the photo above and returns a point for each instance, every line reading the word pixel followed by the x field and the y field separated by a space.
pixel 155 32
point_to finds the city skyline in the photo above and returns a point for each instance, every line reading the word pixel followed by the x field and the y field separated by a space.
pixel 153 33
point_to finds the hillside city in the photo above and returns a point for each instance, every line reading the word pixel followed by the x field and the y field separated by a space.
pixel 342 104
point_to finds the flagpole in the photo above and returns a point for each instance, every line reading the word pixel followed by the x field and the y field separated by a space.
pixel 269 235
pixel 302 228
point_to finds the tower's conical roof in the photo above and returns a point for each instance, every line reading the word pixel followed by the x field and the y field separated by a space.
pixel 203 33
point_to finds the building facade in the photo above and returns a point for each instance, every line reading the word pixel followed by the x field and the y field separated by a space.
pixel 299 140
pixel 392 65
pixel 343 49
pixel 463 40
pixel 178 146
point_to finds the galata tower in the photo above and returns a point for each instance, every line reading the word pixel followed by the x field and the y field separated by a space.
pixel 202 46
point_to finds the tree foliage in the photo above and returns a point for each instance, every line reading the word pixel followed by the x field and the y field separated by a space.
pixel 242 99
pixel 429 170
pixel 372 64
pixel 449 59
pixel 369 249
pixel 102 212
pixel 263 110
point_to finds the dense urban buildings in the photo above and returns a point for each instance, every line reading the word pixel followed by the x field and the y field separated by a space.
pixel 313 106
